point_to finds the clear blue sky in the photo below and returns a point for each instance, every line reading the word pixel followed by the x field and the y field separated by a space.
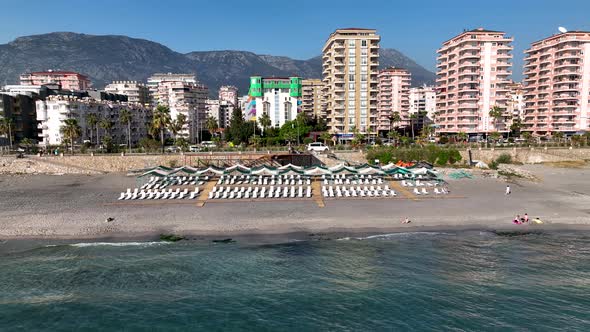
pixel 295 28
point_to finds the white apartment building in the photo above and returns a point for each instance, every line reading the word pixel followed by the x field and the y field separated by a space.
pixel 183 95
pixel 278 97
pixel 136 92
pixel 423 99
pixel 52 112
pixel 350 61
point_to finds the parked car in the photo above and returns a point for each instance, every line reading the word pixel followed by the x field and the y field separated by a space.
pixel 208 144
pixel 317 146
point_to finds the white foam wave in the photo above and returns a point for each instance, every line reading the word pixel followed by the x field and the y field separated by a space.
pixel 404 234
pixel 118 244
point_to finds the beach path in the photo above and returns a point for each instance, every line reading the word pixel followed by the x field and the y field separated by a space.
pixel 205 194
pixel 400 189
pixel 316 188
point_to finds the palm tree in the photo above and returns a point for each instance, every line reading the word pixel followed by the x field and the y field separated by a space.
pixel 71 130
pixel 125 117
pixel 497 114
pixel 412 118
pixel 92 121
pixel 106 125
pixel 394 118
pixel 463 136
pixel 176 126
pixel 6 129
pixel 265 122
pixel 160 121
pixel 211 124
pixel 394 136
pixel 326 136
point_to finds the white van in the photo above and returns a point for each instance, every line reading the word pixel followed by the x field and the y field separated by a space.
pixel 317 146
pixel 208 144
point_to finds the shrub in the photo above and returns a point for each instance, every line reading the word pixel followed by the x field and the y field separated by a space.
pixel 149 145
pixel 443 157
pixel 454 156
pixel 307 140
pixel 173 163
pixel 504 158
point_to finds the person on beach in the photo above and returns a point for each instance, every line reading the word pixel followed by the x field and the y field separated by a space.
pixel 517 219
pixel 537 220
pixel 526 218
pixel 406 221
pixel 508 191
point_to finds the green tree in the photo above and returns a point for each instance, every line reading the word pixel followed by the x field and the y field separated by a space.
pixel 326 136
pixel 125 117
pixel 92 122
pixel 71 130
pixel 394 120
pixel 265 122
pixel 176 126
pixel 463 136
pixel 211 124
pixel 527 136
pixel 497 114
pixel 558 135
pixel 27 142
pixel 160 122
pixel 516 126
pixel 6 129
pixel 394 136
pixel 495 136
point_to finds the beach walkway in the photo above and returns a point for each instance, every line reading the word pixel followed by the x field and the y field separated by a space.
pixel 205 193
pixel 402 190
pixel 316 187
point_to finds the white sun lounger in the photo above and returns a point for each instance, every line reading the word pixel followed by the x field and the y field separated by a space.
pixel 424 192
pixel 416 192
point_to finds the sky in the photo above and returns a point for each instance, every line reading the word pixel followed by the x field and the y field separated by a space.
pixel 298 28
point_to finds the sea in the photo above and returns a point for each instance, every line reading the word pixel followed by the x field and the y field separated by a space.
pixel 424 281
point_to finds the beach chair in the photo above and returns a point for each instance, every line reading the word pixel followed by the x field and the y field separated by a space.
pixel 416 191
pixel 300 192
pixel 424 192
pixel 123 195
pixel 232 195
pixel 239 195
pixel 308 193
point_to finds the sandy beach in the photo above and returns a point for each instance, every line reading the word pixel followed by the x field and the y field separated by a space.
pixel 76 207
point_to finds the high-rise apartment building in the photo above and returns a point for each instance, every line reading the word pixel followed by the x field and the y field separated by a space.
pixel 557 84
pixel 68 80
pixel 136 92
pixel 393 97
pixel 229 94
pixel 423 100
pixel 280 98
pixel 515 99
pixel 472 74
pixel 350 61
pixel 183 95
pixel 312 102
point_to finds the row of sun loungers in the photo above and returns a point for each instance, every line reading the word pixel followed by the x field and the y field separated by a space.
pixel 437 191
pixel 260 180
pixel 418 183
pixel 344 191
pixel 159 194
pixel 160 183
pixel 353 181
pixel 259 192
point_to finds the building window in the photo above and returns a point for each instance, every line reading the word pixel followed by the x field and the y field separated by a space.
pixel 351 86
pixel 352 43
pixel 351 60
pixel 363 77
pixel 351 77
pixel 363 60
pixel 351 69
pixel 364 43
pixel 287 111
pixel 363 86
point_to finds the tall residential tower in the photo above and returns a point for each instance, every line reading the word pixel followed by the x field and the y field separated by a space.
pixel 350 61
pixel 472 77
pixel 557 84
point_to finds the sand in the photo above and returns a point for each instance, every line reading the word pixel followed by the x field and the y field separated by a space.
pixel 76 207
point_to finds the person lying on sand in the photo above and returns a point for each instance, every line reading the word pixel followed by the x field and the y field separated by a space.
pixel 406 221
pixel 537 220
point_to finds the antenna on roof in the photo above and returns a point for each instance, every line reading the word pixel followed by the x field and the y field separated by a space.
pixel 562 29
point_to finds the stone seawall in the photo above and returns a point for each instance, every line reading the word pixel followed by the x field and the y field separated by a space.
pixel 85 164
pixel 529 155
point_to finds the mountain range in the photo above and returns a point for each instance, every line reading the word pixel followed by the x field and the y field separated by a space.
pixel 111 57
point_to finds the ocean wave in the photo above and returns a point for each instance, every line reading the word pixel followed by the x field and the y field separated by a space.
pixel 401 234
pixel 116 244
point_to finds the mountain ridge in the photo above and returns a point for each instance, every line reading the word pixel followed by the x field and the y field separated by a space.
pixel 105 58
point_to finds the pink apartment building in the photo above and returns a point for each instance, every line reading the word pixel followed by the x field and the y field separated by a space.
pixel 228 94
pixel 68 80
pixel 393 96
pixel 557 84
pixel 472 77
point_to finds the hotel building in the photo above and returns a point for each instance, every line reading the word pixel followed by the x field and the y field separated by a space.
pixel 350 60
pixel 312 98
pixel 393 96
pixel 472 77
pixel 280 98
pixel 68 80
pixel 136 92
pixel 557 84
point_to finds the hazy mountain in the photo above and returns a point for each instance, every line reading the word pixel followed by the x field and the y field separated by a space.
pixel 107 58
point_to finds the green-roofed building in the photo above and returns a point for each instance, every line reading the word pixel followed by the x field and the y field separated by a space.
pixel 279 97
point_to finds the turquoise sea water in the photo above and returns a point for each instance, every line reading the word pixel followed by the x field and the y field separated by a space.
pixel 417 281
